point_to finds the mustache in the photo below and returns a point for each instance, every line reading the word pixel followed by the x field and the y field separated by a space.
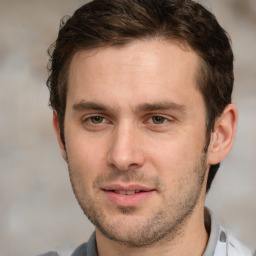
pixel 129 176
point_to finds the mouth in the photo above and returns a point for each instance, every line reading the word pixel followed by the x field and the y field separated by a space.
pixel 127 196
pixel 127 192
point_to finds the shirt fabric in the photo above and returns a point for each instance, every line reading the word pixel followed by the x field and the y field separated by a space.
pixel 220 243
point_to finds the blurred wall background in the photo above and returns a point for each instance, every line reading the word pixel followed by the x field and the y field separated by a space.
pixel 38 211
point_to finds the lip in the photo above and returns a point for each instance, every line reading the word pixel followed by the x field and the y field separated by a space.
pixel 127 200
pixel 127 187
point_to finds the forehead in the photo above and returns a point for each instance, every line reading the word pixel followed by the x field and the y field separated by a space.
pixel 142 68
pixel 141 52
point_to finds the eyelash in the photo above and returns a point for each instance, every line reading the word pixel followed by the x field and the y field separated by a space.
pixel 162 118
pixel 88 121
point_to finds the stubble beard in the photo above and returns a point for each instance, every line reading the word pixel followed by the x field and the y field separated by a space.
pixel 166 223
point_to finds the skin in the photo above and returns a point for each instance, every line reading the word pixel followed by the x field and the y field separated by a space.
pixel 135 118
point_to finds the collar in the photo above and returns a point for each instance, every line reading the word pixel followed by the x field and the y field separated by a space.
pixel 213 230
pixel 219 242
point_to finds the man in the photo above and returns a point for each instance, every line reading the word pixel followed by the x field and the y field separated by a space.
pixel 141 97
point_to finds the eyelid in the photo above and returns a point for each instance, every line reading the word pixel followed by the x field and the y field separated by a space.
pixel 167 118
pixel 87 118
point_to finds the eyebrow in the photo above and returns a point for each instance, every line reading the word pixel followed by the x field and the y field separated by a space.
pixel 144 107
pixel 90 105
pixel 162 105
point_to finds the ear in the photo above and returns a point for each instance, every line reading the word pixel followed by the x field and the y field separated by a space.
pixel 56 126
pixel 222 137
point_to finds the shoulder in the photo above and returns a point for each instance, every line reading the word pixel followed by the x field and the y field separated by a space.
pixel 229 246
pixel 49 254
pixel 85 249
pixel 221 242
pixel 79 251
pixel 236 248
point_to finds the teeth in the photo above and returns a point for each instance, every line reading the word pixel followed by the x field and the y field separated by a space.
pixel 125 192
pixel 121 192
pixel 130 192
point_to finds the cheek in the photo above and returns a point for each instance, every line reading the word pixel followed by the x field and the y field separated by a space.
pixel 176 164
pixel 176 156
pixel 86 157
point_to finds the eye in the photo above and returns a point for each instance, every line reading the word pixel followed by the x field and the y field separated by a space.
pixel 94 122
pixel 96 119
pixel 158 120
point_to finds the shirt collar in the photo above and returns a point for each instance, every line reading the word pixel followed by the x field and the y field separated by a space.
pixel 213 229
pixel 211 225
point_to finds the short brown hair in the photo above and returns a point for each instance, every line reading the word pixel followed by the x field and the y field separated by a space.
pixel 118 22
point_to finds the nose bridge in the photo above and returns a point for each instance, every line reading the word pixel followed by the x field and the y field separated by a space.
pixel 125 150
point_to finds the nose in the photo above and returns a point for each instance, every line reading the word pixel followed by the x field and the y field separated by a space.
pixel 126 150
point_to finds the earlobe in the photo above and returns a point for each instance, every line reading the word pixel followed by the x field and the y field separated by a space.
pixel 222 137
pixel 56 126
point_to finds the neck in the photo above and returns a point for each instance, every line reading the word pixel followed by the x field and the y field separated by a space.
pixel 192 240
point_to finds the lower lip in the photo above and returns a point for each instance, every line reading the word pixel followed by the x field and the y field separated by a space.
pixel 127 200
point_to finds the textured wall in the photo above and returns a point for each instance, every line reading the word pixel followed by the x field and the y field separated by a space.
pixel 38 210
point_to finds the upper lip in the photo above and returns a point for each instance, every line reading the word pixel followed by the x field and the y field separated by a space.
pixel 130 187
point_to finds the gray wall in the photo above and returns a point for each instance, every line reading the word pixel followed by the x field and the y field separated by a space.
pixel 38 210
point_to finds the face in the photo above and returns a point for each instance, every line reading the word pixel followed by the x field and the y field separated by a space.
pixel 135 138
